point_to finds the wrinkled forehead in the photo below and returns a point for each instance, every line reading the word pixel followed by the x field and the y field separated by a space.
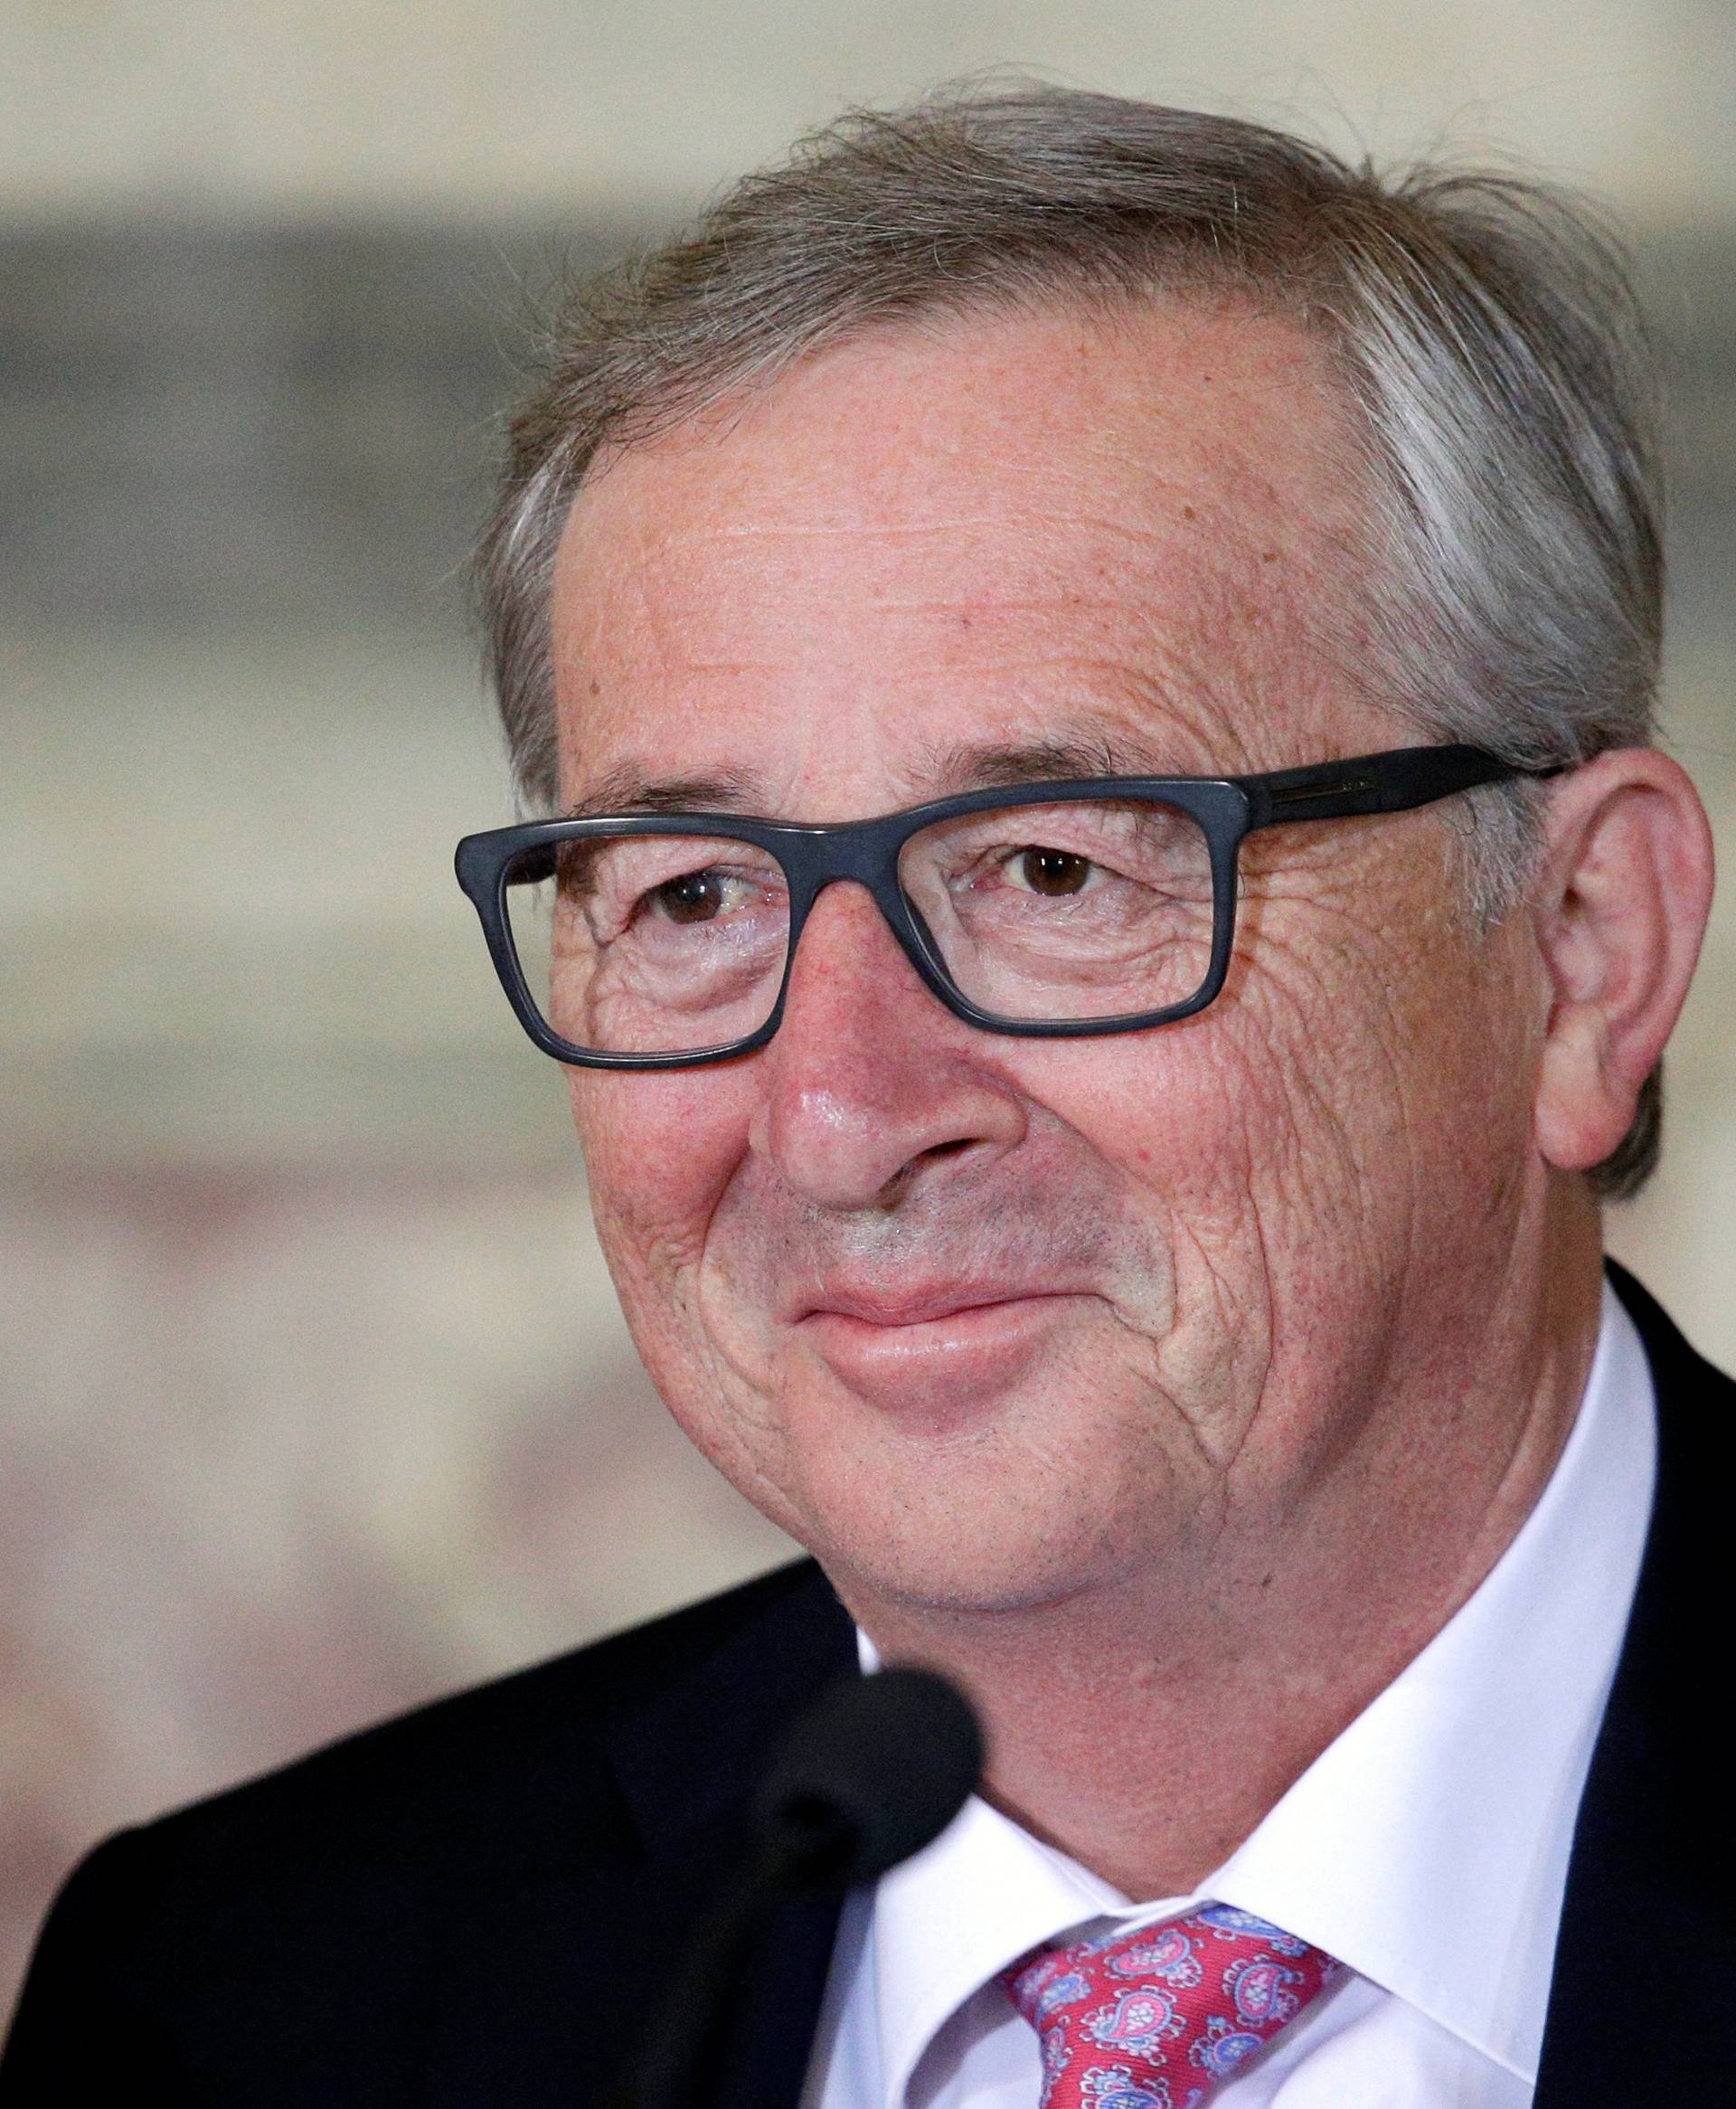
pixel 987 529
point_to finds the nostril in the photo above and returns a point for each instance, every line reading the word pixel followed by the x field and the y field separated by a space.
pixel 899 1184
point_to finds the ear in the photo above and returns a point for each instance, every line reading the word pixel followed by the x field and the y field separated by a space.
pixel 1626 890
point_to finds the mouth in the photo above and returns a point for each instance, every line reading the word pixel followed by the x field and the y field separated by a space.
pixel 937 1358
pixel 916 1308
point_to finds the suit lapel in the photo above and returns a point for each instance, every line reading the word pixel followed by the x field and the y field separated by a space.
pixel 1640 2007
pixel 551 1979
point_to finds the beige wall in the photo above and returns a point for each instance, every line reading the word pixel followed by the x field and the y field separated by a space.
pixel 452 105
pixel 313 1395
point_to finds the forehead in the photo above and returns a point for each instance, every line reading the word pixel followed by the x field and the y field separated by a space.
pixel 992 529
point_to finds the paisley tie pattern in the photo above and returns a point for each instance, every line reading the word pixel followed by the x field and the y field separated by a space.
pixel 1161 2017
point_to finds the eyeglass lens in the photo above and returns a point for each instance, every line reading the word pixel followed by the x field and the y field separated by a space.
pixel 643 944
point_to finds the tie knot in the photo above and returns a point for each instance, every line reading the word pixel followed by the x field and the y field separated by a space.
pixel 1160 2016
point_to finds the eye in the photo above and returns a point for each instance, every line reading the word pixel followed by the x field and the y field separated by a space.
pixel 1052 872
pixel 694 897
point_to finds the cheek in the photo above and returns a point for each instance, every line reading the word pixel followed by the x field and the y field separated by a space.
pixel 1290 1124
pixel 1382 1058
pixel 1182 1114
pixel 659 1151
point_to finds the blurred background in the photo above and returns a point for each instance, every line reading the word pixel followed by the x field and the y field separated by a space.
pixel 314 1400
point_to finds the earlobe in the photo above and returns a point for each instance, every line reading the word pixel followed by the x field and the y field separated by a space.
pixel 1619 919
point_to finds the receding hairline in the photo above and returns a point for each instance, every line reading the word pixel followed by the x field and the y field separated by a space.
pixel 1336 442
pixel 1064 291
pixel 1315 586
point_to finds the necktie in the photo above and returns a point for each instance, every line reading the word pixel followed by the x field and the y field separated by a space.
pixel 1161 2017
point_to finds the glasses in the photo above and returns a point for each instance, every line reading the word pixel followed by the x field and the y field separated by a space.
pixel 1046 910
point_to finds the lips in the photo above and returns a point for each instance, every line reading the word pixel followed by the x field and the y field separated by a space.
pixel 924 1305
pixel 935 1360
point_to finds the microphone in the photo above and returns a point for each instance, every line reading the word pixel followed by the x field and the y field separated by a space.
pixel 873 1772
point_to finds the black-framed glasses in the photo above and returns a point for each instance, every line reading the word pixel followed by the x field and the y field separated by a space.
pixel 1049 910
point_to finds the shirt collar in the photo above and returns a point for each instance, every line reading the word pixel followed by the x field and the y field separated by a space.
pixel 1427 1846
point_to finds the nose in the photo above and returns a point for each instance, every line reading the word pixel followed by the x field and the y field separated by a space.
pixel 870 1084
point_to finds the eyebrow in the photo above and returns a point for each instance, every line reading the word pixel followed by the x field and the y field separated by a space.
pixel 982 765
pixel 985 765
pixel 630 789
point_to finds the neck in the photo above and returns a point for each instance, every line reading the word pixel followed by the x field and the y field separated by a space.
pixel 1106 1709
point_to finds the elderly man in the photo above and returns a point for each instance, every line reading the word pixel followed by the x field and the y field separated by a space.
pixel 1112 920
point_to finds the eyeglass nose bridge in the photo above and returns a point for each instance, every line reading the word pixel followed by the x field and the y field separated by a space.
pixel 866 853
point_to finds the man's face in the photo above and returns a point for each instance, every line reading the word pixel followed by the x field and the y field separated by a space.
pixel 987 1321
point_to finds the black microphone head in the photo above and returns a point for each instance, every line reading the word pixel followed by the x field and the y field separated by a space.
pixel 873 1772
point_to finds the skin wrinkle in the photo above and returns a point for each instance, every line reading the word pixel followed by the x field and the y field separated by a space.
pixel 1145 1503
pixel 1269 1132
pixel 931 530
pixel 1164 676
pixel 1232 1313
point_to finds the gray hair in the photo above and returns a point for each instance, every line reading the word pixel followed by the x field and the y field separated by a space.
pixel 1482 325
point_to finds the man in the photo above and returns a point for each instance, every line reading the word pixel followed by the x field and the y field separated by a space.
pixel 1113 921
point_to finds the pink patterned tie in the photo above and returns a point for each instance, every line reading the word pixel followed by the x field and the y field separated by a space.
pixel 1161 2017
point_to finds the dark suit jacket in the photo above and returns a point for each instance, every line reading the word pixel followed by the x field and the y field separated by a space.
pixel 470 1907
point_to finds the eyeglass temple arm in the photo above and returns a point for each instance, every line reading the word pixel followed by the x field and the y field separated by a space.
pixel 1374 783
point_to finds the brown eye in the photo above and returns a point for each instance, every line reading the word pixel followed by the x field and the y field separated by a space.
pixel 694 897
pixel 1054 872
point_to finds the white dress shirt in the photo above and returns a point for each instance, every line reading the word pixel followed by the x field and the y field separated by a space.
pixel 1426 1847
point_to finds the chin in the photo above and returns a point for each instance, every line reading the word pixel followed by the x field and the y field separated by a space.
pixel 966 1581
pixel 960 1536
